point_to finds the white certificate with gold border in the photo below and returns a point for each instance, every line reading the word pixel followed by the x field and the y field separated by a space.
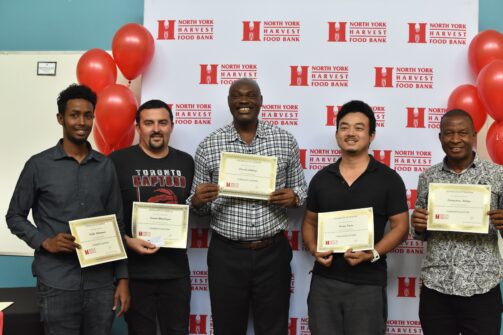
pixel 164 225
pixel 247 176
pixel 99 238
pixel 338 231
pixel 459 207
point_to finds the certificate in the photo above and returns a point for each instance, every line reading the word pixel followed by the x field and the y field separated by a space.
pixel 247 176
pixel 459 208
pixel 99 238
pixel 164 225
pixel 338 231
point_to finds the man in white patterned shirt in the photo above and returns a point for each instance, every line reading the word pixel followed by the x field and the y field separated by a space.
pixel 249 256
pixel 461 271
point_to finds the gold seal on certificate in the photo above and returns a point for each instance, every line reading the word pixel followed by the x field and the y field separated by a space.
pixel 164 225
pixel 99 238
pixel 247 176
pixel 459 208
pixel 338 231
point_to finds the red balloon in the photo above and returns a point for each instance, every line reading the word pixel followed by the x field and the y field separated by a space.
pixel 465 97
pixel 485 47
pixel 96 69
pixel 115 113
pixel 494 142
pixel 102 146
pixel 490 89
pixel 133 49
pixel 105 149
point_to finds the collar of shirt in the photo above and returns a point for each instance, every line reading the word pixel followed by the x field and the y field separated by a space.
pixel 475 163
pixel 334 168
pixel 60 153
pixel 233 135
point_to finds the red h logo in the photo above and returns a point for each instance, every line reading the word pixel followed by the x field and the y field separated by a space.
pixel 292 326
pixel 415 117
pixel 165 29
pixel 251 31
pixel 384 77
pixel 383 156
pixel 417 32
pixel 303 156
pixel 293 238
pixel 197 324
pixel 298 75
pixel 332 115
pixel 406 287
pixel 411 198
pixel 199 238
pixel 337 31
pixel 208 74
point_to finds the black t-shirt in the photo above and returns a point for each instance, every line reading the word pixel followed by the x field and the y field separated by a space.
pixel 378 187
pixel 161 180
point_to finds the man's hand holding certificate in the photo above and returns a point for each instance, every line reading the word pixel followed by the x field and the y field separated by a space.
pixel 164 225
pixel 247 176
pixel 342 230
pixel 99 239
pixel 459 207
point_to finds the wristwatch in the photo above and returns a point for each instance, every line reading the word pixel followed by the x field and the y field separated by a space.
pixel 376 256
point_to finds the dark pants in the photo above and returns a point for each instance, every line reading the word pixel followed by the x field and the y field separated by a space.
pixel 337 307
pixel 85 312
pixel 166 300
pixel 444 314
pixel 240 278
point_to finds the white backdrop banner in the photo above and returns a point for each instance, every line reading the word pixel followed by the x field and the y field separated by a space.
pixel 309 57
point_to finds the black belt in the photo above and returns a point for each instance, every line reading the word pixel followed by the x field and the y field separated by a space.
pixel 253 245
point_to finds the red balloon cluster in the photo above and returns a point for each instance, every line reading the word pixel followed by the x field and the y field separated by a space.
pixel 133 50
pixel 485 56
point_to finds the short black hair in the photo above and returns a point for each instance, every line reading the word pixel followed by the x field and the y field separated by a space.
pixel 357 106
pixel 151 104
pixel 75 91
pixel 459 113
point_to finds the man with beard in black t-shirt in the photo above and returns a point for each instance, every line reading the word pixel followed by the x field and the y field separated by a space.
pixel 152 171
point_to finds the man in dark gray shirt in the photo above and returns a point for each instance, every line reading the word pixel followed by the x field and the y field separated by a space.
pixel 67 182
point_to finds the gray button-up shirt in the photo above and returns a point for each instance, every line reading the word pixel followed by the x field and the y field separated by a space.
pixel 58 189
pixel 462 264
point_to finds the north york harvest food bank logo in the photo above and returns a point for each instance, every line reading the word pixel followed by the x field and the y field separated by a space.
pixel 424 117
pixel 298 326
pixel 412 160
pixel 226 74
pixel 379 112
pixel 410 246
pixel 200 324
pixel 317 159
pixel 271 31
pixel 191 113
pixel 357 32
pixel 185 29
pixel 199 280
pixel 280 114
pixel 199 238
pixel 403 327
pixel 319 75
pixel 437 33
pixel 404 77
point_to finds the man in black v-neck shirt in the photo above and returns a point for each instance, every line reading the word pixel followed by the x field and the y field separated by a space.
pixel 152 171
pixel 347 294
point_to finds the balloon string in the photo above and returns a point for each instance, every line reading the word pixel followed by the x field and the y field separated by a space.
pixel 129 84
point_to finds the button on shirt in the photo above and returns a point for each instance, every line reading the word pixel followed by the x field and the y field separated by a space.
pixel 245 219
pixel 58 189
pixel 462 264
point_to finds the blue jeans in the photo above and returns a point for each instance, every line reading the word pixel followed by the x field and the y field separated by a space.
pixel 86 312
